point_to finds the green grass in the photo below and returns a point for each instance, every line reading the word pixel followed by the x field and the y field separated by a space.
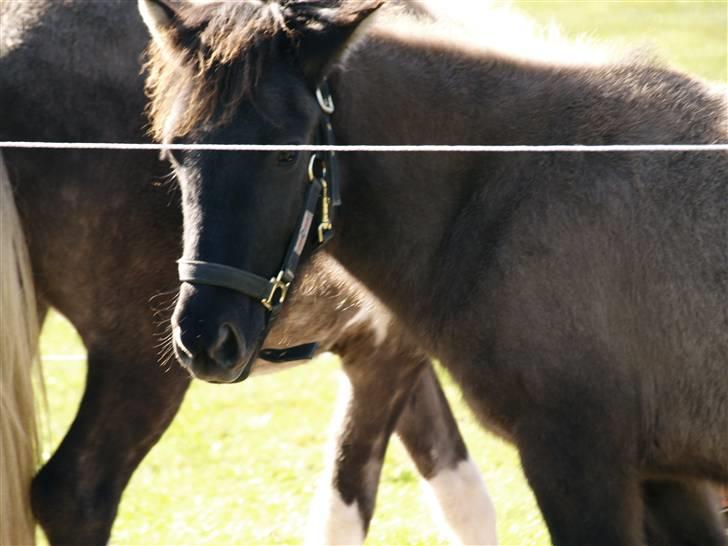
pixel 240 463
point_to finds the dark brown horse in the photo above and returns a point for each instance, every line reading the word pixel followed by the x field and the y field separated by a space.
pixel 102 235
pixel 580 300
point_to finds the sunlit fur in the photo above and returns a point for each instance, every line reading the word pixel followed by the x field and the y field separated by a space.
pixel 18 344
pixel 16 17
pixel 497 26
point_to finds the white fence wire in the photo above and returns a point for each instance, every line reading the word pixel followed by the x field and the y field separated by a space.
pixel 555 148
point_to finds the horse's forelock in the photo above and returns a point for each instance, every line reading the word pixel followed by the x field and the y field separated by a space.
pixel 220 53
pixel 209 62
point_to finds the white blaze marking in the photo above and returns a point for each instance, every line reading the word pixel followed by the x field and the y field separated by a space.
pixel 461 500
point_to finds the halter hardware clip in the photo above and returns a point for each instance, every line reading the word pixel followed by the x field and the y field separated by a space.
pixel 325 227
pixel 277 285
pixel 317 171
pixel 325 101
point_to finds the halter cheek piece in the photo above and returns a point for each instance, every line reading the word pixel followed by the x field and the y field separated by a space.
pixel 322 196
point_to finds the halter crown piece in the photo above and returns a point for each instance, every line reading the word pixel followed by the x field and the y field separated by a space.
pixel 322 193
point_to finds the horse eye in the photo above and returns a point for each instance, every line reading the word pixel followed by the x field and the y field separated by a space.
pixel 287 157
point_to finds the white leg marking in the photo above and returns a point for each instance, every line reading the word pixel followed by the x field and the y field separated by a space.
pixel 332 521
pixel 460 500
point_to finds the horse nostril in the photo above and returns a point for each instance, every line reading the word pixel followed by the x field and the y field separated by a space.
pixel 228 350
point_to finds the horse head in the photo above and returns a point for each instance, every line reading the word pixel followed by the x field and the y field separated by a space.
pixel 241 73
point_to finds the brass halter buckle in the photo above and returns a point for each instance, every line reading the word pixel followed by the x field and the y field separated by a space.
pixel 277 285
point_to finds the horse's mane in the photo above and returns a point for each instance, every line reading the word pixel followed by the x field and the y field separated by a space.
pixel 220 48
pixel 217 50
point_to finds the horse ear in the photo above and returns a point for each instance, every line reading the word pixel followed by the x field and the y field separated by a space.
pixel 323 43
pixel 160 16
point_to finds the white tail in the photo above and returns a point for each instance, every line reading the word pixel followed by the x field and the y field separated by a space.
pixel 19 448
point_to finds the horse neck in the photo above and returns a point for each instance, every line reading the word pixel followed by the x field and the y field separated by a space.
pixel 399 209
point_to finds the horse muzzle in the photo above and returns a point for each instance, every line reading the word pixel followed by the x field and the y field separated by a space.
pixel 214 349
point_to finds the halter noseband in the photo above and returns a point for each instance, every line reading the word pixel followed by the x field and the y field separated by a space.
pixel 322 193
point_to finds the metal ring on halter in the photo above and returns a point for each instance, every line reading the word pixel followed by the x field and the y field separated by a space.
pixel 326 103
pixel 311 166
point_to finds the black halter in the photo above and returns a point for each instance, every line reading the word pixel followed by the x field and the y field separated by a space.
pixel 323 194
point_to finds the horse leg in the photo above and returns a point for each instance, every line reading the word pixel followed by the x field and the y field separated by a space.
pixel 379 380
pixel 589 491
pixel 128 403
pixel 458 495
pixel 682 514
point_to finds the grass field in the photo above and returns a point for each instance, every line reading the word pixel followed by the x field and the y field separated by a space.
pixel 240 463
